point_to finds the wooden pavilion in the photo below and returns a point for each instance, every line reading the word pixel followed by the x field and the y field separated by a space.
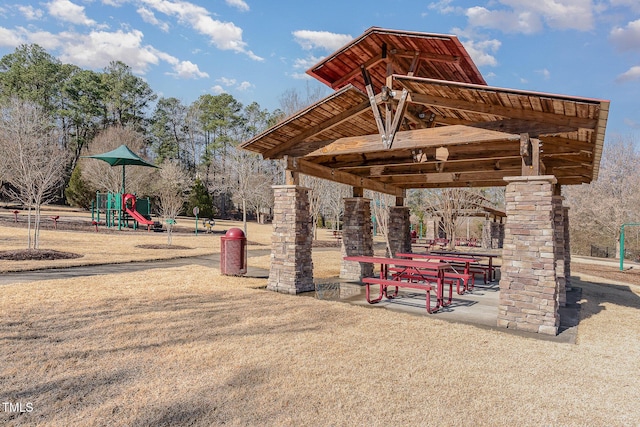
pixel 411 110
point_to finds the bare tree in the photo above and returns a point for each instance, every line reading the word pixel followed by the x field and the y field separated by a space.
pixel 108 178
pixel 599 209
pixel 171 188
pixel 380 204
pixel 247 178
pixel 34 161
pixel 318 192
pixel 451 203
pixel 293 100
pixel 333 202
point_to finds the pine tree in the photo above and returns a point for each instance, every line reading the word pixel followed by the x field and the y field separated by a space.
pixel 78 193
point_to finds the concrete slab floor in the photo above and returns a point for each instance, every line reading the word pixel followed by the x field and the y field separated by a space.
pixel 478 307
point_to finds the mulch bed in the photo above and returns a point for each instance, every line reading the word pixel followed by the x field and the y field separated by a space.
pixel 165 246
pixel 36 255
pixel 613 273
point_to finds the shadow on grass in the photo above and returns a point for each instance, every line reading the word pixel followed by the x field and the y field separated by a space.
pixel 594 296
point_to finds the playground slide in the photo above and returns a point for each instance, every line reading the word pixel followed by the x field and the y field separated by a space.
pixel 138 217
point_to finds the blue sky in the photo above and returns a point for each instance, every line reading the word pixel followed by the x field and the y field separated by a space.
pixel 257 50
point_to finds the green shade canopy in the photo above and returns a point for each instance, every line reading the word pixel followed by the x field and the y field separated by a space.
pixel 121 156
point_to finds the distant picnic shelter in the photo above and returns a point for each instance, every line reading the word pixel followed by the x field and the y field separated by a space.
pixel 411 110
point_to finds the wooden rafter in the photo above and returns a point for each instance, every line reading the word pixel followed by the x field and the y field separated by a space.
pixel 309 168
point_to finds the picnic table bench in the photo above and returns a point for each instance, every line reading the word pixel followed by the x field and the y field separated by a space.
pixel 488 270
pixel 460 272
pixel 418 275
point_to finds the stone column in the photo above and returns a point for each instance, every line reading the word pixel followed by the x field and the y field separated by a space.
pixel 528 286
pixel 399 229
pixel 357 237
pixel 291 264
pixel 497 235
pixel 558 219
pixel 567 250
pixel 486 234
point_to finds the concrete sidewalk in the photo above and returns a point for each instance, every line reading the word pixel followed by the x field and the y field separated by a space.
pixel 128 267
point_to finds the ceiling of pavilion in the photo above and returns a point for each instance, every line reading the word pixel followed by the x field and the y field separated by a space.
pixel 449 128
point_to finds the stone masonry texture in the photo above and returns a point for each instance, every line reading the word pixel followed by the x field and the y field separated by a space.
pixel 357 237
pixel 528 285
pixel 291 242
pixel 399 229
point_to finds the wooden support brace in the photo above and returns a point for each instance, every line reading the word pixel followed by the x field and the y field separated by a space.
pixel 374 104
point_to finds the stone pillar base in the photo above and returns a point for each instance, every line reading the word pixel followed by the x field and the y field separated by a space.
pixel 528 286
pixel 399 230
pixel 291 264
pixel 357 237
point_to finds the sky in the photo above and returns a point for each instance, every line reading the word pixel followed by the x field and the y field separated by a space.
pixel 256 50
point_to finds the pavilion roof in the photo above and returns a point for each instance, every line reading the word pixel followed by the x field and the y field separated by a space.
pixel 450 133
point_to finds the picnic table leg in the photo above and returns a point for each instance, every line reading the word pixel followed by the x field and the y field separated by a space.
pixel 380 295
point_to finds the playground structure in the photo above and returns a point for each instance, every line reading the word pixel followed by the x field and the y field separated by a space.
pixel 120 207
pixel 120 210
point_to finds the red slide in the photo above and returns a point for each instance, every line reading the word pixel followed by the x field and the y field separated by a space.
pixel 131 210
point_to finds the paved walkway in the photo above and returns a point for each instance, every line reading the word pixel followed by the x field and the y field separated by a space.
pixel 129 267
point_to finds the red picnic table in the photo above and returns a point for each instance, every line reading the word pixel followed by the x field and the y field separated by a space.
pixel 460 268
pixel 474 255
pixel 418 275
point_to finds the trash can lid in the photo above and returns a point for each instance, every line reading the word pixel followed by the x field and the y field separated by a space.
pixel 234 233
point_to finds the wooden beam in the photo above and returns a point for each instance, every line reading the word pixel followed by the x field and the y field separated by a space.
pixel 395 125
pixel 533 128
pixel 309 168
pixel 349 76
pixel 419 138
pixel 374 104
pixel 499 110
pixel 277 151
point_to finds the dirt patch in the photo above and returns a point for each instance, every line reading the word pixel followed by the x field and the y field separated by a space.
pixel 36 255
pixel 164 246
pixel 612 273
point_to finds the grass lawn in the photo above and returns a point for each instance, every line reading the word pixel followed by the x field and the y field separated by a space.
pixel 187 346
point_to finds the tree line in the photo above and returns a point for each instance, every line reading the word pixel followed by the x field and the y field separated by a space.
pixel 53 114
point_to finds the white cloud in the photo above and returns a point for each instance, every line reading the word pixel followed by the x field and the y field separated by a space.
pixel 305 63
pixel 69 12
pixel 223 35
pixel 244 86
pixel 10 38
pixel 229 82
pixel 217 89
pixel 300 76
pixel 226 81
pixel 526 16
pixel 630 75
pixel 31 13
pixel 546 74
pixel 148 17
pixel 443 6
pixel 523 22
pixel 98 48
pixel 188 70
pixel 482 51
pixel 239 4
pixel 321 39
pixel 627 38
pixel 631 4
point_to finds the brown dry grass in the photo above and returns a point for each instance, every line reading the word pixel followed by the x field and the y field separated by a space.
pixel 108 247
pixel 187 346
